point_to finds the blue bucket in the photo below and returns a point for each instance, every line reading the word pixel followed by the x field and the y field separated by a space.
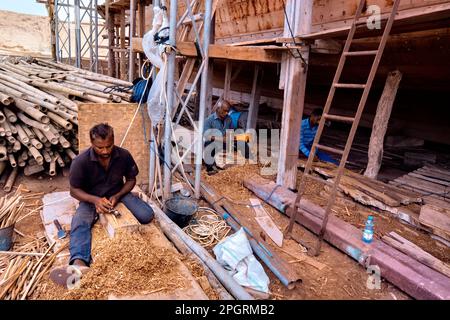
pixel 6 235
pixel 180 210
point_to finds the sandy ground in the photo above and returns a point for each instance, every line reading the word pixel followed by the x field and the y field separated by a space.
pixel 24 34
pixel 342 278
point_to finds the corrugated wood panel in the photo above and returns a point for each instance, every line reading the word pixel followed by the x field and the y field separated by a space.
pixel 119 116
pixel 255 19
pixel 244 17
pixel 326 11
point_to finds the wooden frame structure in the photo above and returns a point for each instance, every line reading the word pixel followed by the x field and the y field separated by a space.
pixel 259 33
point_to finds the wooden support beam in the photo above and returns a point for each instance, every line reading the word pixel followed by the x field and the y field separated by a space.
pixel 227 82
pixel 294 97
pixel 110 27
pixel 131 54
pixel 141 31
pixel 123 66
pixel 380 124
pixel 250 53
pixel 254 100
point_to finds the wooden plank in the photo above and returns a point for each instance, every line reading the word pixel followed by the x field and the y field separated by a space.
pixel 405 21
pixel 126 221
pixel 422 177
pixel 429 186
pixel 436 218
pixel 254 100
pixel 411 276
pixel 266 222
pixel 414 251
pixel 123 65
pixel 247 53
pixel 432 174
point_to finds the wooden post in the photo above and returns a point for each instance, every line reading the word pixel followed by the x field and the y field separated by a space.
pixel 132 28
pixel 227 84
pixel 211 69
pixel 110 26
pixel 380 124
pixel 294 94
pixel 123 66
pixel 254 100
pixel 141 13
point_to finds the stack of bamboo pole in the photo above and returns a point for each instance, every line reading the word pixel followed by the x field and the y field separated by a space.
pixel 38 113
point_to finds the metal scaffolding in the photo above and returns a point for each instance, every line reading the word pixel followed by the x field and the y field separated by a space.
pixel 175 98
pixel 77 31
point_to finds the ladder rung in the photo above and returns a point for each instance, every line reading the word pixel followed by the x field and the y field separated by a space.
pixel 361 53
pixel 338 118
pixel 349 85
pixel 330 149
pixel 328 183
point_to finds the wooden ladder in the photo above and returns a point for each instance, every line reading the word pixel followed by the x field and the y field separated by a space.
pixel 327 116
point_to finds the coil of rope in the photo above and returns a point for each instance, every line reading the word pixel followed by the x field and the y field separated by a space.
pixel 209 228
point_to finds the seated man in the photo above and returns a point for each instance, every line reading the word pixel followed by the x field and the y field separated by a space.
pixel 307 135
pixel 97 181
pixel 214 131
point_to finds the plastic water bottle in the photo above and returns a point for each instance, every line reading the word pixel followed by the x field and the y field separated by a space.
pixel 368 230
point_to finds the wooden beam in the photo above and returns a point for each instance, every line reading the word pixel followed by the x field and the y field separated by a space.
pixel 110 27
pixel 254 101
pixel 405 21
pixel 123 65
pixel 227 82
pixel 247 53
pixel 380 124
pixel 131 54
pixel 294 98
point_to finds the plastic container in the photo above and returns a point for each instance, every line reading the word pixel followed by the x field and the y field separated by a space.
pixel 6 235
pixel 368 230
pixel 180 210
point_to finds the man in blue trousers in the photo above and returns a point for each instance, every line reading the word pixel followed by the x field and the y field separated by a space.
pixel 307 135
pixel 100 178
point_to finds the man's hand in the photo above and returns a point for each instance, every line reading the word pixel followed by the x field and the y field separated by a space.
pixel 103 205
pixel 114 200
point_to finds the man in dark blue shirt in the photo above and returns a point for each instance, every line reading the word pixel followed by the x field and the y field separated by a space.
pixel 307 135
pixel 100 177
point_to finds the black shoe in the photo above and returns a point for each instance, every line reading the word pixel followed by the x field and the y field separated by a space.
pixel 217 168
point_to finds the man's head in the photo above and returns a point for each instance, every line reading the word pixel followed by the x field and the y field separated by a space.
pixel 102 140
pixel 315 116
pixel 223 107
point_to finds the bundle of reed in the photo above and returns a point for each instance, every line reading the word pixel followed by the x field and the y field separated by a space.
pixel 39 113
pixel 11 207
pixel 25 269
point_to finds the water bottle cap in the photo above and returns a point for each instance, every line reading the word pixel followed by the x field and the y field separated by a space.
pixel 370 218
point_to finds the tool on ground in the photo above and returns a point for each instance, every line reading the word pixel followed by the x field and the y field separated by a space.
pixel 327 116
pixel 115 212
pixel 61 232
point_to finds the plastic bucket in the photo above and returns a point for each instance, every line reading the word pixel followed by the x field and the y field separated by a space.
pixel 180 210
pixel 6 235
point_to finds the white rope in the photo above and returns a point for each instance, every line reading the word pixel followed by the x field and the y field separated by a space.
pixel 140 101
pixel 209 229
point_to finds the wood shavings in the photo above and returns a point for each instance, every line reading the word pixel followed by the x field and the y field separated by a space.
pixel 127 265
